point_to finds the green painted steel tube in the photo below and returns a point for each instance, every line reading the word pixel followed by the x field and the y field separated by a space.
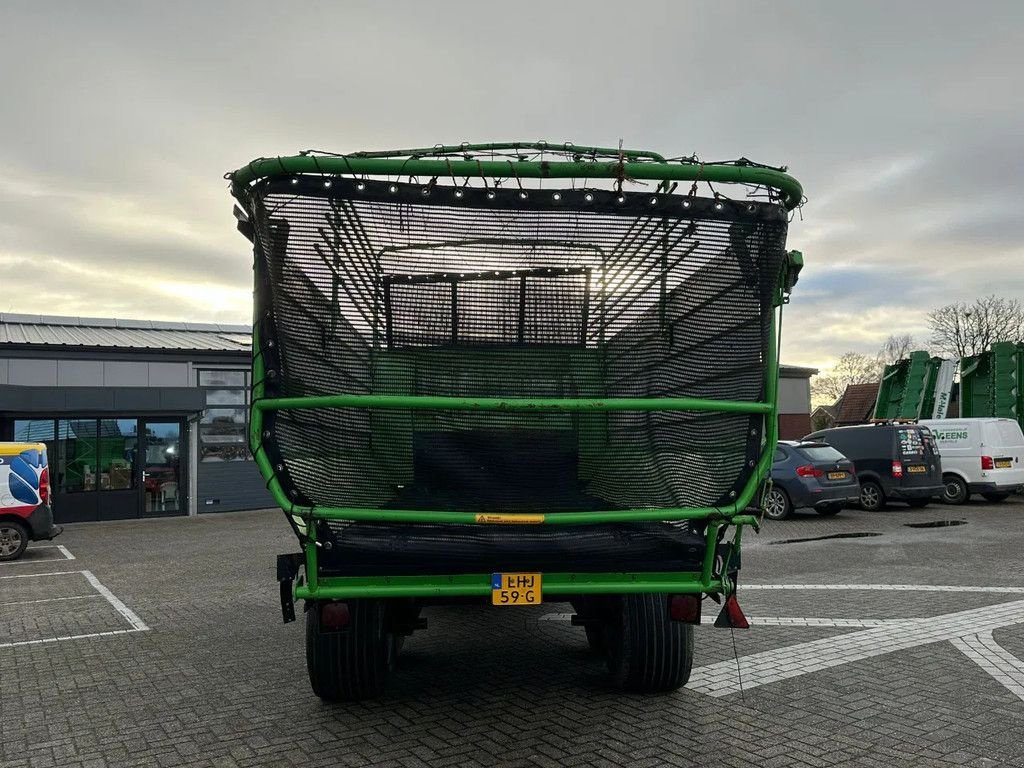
pixel 433 402
pixel 549 518
pixel 539 146
pixel 710 548
pixel 346 587
pixel 790 189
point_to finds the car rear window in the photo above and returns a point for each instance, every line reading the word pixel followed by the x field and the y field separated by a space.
pixel 822 453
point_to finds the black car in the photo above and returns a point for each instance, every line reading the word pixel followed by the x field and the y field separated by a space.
pixel 895 462
pixel 810 474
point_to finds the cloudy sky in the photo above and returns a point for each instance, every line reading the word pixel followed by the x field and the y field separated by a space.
pixel 903 120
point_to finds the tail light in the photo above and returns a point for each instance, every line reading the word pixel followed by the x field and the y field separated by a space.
pixel 808 470
pixel 44 485
pixel 987 463
pixel 334 616
pixel 685 608
pixel 897 469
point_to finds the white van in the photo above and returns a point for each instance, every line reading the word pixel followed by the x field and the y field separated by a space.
pixel 983 456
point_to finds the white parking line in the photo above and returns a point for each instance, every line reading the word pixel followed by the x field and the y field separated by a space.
pixel 38 575
pixel 46 640
pixel 1002 665
pixel 137 625
pixel 883 588
pixel 120 607
pixel 59 547
pixel 757 669
pixel 51 599
pixel 780 621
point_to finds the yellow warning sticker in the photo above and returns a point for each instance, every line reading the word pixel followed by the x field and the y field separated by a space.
pixel 511 519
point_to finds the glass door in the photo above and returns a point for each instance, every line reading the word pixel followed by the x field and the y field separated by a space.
pixel 162 486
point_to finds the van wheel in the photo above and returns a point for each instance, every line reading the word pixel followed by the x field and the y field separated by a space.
pixel 647 651
pixel 13 539
pixel 995 498
pixel 777 505
pixel 955 491
pixel 352 664
pixel 872 497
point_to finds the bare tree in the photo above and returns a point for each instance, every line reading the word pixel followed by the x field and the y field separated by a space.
pixel 963 329
pixel 896 347
pixel 851 368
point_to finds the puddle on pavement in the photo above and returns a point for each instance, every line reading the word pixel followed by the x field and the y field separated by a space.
pixel 830 536
pixel 936 524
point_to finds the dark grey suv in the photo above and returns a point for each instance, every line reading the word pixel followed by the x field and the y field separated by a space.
pixel 808 474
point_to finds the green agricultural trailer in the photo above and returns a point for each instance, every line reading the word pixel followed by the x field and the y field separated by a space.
pixel 916 387
pixel 510 374
pixel 992 383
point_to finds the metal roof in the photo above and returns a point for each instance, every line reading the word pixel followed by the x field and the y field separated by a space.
pixel 49 330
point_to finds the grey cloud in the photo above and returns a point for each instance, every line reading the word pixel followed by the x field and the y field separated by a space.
pixel 151 102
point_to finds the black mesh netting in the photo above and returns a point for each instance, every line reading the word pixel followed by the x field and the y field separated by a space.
pixel 402 289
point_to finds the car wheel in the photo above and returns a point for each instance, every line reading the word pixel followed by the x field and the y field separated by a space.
pixel 872 497
pixel 777 505
pixel 955 490
pixel 995 498
pixel 830 511
pixel 13 540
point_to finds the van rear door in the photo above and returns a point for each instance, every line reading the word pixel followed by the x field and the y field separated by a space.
pixel 919 456
pixel 1003 446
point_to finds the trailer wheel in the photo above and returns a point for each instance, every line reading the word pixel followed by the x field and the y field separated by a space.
pixel 352 664
pixel 647 651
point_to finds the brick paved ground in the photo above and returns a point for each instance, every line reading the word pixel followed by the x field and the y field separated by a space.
pixel 218 680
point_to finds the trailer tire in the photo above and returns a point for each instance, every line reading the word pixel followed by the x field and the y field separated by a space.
pixel 647 651
pixel 352 664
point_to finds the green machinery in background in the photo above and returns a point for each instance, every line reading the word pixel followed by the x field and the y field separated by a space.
pixel 920 386
pixel 990 383
pixel 917 387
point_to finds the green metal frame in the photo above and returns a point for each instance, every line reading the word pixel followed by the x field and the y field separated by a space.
pixel 734 514
pixel 632 164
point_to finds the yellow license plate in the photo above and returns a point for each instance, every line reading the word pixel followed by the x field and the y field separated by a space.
pixel 917 469
pixel 1004 463
pixel 836 475
pixel 515 589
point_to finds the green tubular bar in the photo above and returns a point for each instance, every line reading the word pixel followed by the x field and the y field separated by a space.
pixel 538 146
pixel 792 192
pixel 341 587
pixel 424 402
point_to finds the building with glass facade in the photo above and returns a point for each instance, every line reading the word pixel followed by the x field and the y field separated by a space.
pixel 140 418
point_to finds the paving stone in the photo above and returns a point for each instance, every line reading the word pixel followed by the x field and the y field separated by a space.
pixel 219 681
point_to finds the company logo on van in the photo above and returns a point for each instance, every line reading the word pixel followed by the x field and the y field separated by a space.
pixel 950 435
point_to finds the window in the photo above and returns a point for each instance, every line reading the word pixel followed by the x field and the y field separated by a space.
pixel 224 424
pixel 76 462
pixel 116 454
pixel 822 453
